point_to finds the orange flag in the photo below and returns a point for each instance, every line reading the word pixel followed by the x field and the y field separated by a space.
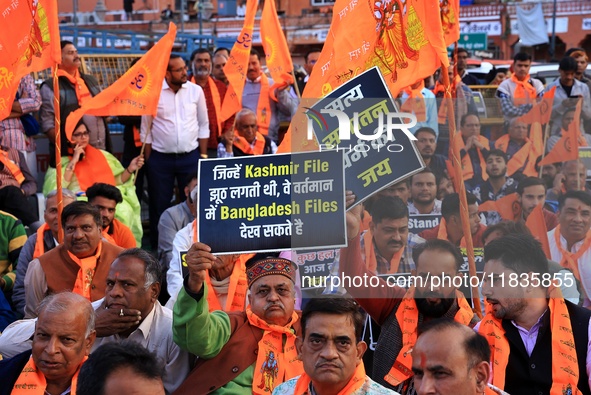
pixel 507 206
pixel 276 50
pixel 404 38
pixel 235 68
pixel 537 225
pixel 567 148
pixel 29 41
pixel 541 111
pixel 136 92
pixel 450 20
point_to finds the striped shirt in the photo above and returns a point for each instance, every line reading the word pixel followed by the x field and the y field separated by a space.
pixel 12 133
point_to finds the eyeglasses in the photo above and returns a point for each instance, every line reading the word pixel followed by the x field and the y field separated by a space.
pixel 179 70
pixel 80 134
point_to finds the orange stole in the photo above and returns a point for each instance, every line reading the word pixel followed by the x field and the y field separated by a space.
pixel 238 284
pixel 264 106
pixel 32 382
pixel 93 168
pixel 86 272
pixel 565 370
pixel 217 103
pixel 370 256
pixel 527 156
pixel 442 233
pixel 82 92
pixel 468 169
pixel 285 364
pixel 524 91
pixel 353 385
pixel 570 259
pixel 407 316
pixel 39 247
pixel 243 145
pixel 12 167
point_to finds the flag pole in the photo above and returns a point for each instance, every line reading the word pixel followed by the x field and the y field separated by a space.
pixel 546 132
pixel 58 153
pixel 295 84
pixel 461 189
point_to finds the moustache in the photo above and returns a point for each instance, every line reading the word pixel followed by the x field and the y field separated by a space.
pixel 323 363
pixel 274 304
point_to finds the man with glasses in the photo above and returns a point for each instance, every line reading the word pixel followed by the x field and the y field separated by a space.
pixel 176 138
pixel 245 139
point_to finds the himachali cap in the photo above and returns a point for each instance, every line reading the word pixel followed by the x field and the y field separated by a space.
pixel 268 266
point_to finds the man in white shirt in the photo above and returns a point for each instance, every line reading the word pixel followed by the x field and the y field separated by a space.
pixel 175 139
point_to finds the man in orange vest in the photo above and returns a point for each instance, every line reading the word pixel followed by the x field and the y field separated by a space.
pixel 39 243
pixel 80 264
pixel 473 149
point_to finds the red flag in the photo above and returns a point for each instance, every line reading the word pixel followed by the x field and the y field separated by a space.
pixel 29 41
pixel 450 20
pixel 136 92
pixel 507 206
pixel 537 225
pixel 567 148
pixel 276 50
pixel 541 111
pixel 235 68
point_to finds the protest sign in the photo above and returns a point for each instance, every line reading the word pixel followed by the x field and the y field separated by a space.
pixel 272 202
pixel 420 222
pixel 361 119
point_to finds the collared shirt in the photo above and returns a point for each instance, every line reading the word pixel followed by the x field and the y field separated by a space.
pixel 430 110
pixel 412 210
pixel 370 387
pixel 583 262
pixel 12 132
pixel 155 334
pixel 505 93
pixel 181 120
pixel 558 109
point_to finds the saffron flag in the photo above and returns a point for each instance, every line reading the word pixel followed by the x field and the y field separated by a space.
pixel 29 41
pixel 567 148
pixel 541 111
pixel 404 38
pixel 237 65
pixel 507 206
pixel 537 225
pixel 276 50
pixel 450 20
pixel 136 92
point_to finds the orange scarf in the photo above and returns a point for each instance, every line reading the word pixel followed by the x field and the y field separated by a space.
pixel 284 365
pixel 370 256
pixel 137 139
pixel 39 244
pixel 468 169
pixel 244 146
pixel 570 259
pixel 238 284
pixel 524 91
pixel 353 385
pixel 12 167
pixel 93 168
pixel 82 92
pixel 415 102
pixel 86 272
pixel 407 316
pixel 565 370
pixel 527 156
pixel 264 106
pixel 32 382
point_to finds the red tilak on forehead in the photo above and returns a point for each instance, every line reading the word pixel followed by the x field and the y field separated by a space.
pixel 116 274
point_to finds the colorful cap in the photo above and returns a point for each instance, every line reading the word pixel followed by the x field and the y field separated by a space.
pixel 268 266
